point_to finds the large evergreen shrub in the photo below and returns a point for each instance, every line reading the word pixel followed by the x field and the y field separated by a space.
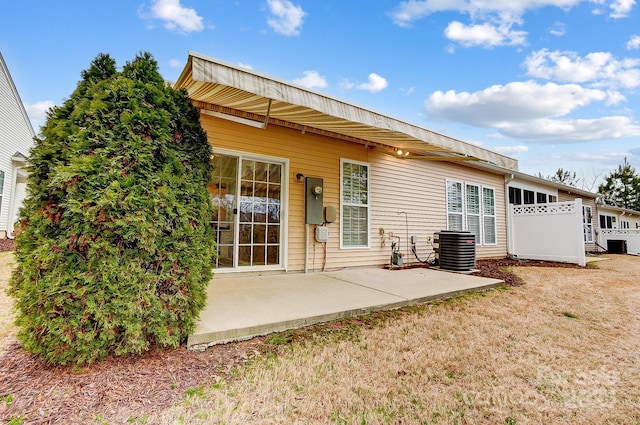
pixel 117 249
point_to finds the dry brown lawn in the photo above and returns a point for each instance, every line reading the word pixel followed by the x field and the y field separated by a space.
pixel 7 330
pixel 563 348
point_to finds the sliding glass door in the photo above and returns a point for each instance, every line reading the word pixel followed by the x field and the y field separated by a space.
pixel 247 195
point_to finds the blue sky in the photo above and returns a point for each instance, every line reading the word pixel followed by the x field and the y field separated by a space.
pixel 553 83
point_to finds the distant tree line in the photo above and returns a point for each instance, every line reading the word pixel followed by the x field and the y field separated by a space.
pixel 621 187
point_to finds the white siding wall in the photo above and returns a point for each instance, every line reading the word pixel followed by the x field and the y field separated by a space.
pixel 630 234
pixel 523 184
pixel 16 135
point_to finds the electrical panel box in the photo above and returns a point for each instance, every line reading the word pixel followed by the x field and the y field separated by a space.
pixel 313 199
pixel 330 214
pixel 322 234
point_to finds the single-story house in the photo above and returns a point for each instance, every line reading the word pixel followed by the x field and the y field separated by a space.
pixel 618 229
pixel 307 182
pixel 16 139
pixel 553 221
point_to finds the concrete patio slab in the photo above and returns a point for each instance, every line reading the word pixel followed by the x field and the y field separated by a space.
pixel 242 307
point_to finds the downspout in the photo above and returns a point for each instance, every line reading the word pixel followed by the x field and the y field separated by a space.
pixel 508 179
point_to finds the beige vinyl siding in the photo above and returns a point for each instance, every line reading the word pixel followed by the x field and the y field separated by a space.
pixel 415 187
pixel 419 188
pixel 309 154
pixel 564 196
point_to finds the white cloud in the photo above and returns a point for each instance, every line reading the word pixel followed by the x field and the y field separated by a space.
pixel 346 84
pixel 176 16
pixel 175 63
pixel 621 8
pixel 376 83
pixel 409 91
pixel 600 69
pixel 533 112
pixel 412 10
pixel 558 29
pixel 491 22
pixel 487 34
pixel 242 65
pixel 634 42
pixel 511 150
pixel 38 111
pixel 286 18
pixel 311 79
pixel 513 102
pixel 614 98
pixel 572 131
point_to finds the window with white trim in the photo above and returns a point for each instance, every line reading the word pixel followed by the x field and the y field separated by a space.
pixel 529 197
pixel 541 198
pixel 518 196
pixel 354 211
pixel 624 224
pixel 454 206
pixel 587 221
pixel 471 207
pixel 608 221
pixel 489 215
pixel 473 210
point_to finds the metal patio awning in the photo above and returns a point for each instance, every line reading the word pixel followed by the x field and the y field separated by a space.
pixel 231 92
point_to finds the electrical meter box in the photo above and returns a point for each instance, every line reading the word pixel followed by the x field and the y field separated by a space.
pixel 313 198
pixel 322 234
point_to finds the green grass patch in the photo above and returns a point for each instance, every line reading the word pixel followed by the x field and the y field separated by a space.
pixel 196 392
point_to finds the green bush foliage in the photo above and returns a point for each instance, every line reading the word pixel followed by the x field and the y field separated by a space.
pixel 116 249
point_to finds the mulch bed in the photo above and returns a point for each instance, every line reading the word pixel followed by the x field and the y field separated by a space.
pixel 118 390
pixel 500 268
pixel 122 389
pixel 7 244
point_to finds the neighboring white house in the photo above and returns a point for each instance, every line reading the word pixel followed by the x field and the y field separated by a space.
pixel 555 222
pixel 16 139
pixel 618 229
pixel 549 221
pixel 552 221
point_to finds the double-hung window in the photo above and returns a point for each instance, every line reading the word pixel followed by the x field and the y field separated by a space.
pixel 473 210
pixel 607 221
pixel 471 207
pixel 489 215
pixel 354 212
pixel 454 206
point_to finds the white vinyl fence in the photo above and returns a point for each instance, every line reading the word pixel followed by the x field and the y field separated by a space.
pixel 632 236
pixel 549 232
